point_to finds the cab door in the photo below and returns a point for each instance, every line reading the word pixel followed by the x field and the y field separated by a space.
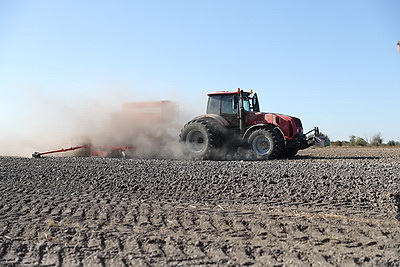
pixel 229 109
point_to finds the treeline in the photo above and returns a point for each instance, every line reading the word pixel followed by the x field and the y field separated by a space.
pixel 376 140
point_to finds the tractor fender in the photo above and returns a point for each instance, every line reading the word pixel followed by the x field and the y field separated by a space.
pixel 261 126
pixel 221 120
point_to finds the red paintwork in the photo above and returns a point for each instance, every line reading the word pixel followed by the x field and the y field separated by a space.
pixel 95 151
pixel 37 154
pixel 153 112
pixel 226 93
pixel 279 120
pixel 254 118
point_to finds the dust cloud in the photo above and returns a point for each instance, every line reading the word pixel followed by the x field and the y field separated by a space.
pixel 149 129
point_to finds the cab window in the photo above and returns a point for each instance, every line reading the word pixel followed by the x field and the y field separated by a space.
pixel 227 104
pixel 213 105
pixel 246 105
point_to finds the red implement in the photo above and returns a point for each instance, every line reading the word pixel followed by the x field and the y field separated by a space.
pixel 93 151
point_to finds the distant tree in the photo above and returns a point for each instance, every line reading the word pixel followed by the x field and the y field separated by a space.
pixel 361 142
pixel 393 143
pixel 376 139
pixel 352 140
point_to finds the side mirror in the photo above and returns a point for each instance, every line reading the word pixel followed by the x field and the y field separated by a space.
pixel 255 104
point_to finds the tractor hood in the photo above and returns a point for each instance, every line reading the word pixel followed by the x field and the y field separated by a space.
pixel 291 126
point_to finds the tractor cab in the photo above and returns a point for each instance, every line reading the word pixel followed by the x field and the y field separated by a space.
pixel 228 104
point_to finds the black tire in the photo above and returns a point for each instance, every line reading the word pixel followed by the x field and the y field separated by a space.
pixel 265 143
pixel 200 139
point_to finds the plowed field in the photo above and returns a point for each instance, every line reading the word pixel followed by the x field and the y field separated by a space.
pixel 326 207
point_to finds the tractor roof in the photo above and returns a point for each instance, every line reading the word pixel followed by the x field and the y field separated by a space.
pixel 226 93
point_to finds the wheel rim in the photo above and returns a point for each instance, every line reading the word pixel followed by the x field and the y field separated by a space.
pixel 261 145
pixel 195 141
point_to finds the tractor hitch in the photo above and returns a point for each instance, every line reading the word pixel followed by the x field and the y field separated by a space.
pixel 317 139
pixel 40 154
pixel 92 151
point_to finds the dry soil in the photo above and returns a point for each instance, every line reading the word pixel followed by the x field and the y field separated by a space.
pixel 326 207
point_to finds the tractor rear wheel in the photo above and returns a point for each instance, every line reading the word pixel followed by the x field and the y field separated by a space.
pixel 265 143
pixel 200 139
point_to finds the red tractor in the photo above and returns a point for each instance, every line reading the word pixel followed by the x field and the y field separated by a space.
pixel 234 120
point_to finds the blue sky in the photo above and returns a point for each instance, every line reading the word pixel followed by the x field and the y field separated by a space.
pixel 334 64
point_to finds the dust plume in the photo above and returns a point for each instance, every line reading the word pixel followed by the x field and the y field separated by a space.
pixel 109 118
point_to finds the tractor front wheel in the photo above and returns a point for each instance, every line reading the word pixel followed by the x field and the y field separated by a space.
pixel 265 143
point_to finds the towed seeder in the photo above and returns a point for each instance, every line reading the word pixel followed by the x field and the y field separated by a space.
pixel 126 127
pixel 91 151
